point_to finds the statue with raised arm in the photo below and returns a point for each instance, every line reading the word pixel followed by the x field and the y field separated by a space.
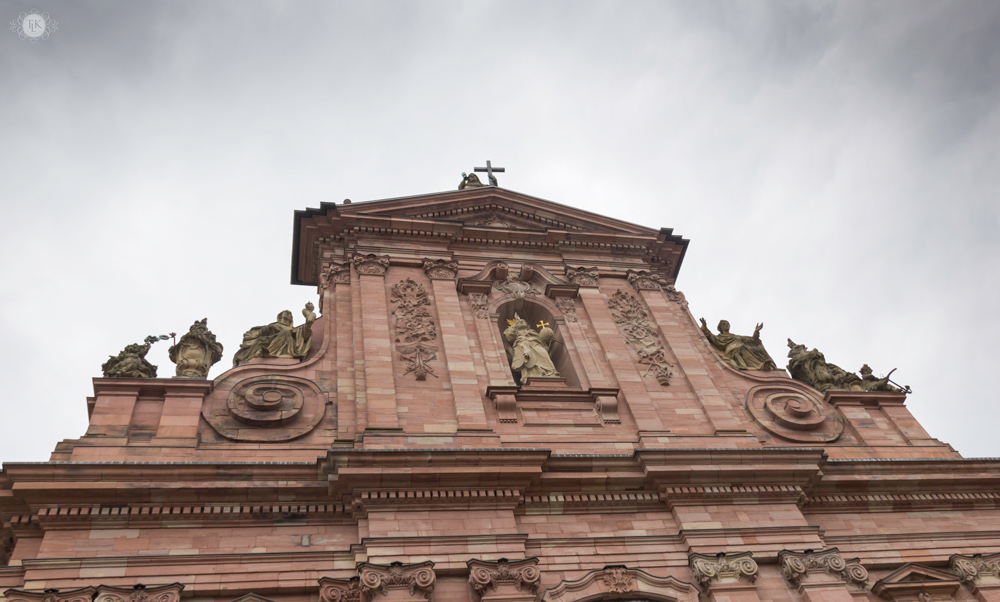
pixel 740 352
pixel 528 350
pixel 280 339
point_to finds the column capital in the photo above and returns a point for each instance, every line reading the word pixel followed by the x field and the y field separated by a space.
pixel 976 570
pixel 641 280
pixel 371 264
pixel 711 570
pixel 334 273
pixel 440 269
pixel 503 579
pixel 582 277
pixel 800 567
pixel 397 581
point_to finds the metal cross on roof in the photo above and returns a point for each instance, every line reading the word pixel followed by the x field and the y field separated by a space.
pixel 489 169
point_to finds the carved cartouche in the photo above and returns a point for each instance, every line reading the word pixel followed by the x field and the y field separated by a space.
pixel 197 350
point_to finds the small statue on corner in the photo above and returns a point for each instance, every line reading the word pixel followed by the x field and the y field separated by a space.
pixel 196 351
pixel 469 181
pixel 279 339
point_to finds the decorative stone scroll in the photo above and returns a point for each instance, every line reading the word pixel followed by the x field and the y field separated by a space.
pixel 480 302
pixel 621 582
pixel 340 590
pixel 267 408
pixel 139 593
pixel 568 308
pixel 440 269
pixel 397 581
pixel 371 264
pixel 84 594
pixel 640 334
pixel 642 280
pixel 709 570
pixel 796 566
pixel 582 276
pixel 793 413
pixel 976 569
pixel 503 579
pixel 414 327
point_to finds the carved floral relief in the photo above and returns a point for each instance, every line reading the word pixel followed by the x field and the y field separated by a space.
pixel 414 328
pixel 640 334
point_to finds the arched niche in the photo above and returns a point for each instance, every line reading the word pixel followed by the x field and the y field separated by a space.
pixel 535 311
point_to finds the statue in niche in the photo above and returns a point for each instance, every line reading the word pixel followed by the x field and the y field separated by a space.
pixel 131 362
pixel 527 350
pixel 196 351
pixel 278 339
pixel 740 352
pixel 469 181
pixel 811 367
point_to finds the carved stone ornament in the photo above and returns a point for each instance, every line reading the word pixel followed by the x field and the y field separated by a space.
pixel 480 304
pixel 517 575
pixel 642 280
pixel 621 582
pixel 414 328
pixel 740 352
pixel 641 335
pixel 371 264
pixel 618 579
pixel 279 339
pixel 494 219
pixel 582 276
pixel 796 566
pixel 674 295
pixel 340 590
pixel 794 413
pixel 139 593
pixel 440 269
pixel 195 353
pixel 812 368
pixel 513 285
pixel 84 594
pixel 334 273
pixel 976 569
pixel 709 570
pixel 266 408
pixel 381 580
pixel 568 307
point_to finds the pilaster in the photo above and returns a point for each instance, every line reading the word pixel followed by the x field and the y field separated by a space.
pixel 380 391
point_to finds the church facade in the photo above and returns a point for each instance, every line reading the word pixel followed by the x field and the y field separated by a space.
pixel 496 398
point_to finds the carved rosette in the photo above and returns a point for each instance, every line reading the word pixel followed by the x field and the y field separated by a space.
pixel 518 575
pixel 380 580
pixel 794 414
pixel 414 328
pixel 568 308
pixel 479 303
pixel 709 570
pixel 641 335
pixel 642 280
pixel 340 590
pixel 84 594
pixel 139 593
pixel 796 566
pixel 371 264
pixel 440 269
pixel 976 569
pixel 585 277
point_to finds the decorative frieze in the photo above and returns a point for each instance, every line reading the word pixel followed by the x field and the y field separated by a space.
pixel 397 581
pixel 371 264
pixel 976 569
pixel 568 308
pixel 414 328
pixel 440 269
pixel 480 303
pixel 710 570
pixel 139 593
pixel 641 335
pixel 796 566
pixel 582 276
pixel 503 577
pixel 642 280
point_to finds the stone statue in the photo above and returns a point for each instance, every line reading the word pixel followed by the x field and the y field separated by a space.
pixel 528 350
pixel 278 339
pixel 811 367
pixel 742 353
pixel 470 181
pixel 131 362
pixel 196 351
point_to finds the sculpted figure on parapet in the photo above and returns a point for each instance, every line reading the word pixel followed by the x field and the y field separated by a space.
pixel 740 352
pixel 279 339
pixel 197 350
pixel 528 350
pixel 811 367
pixel 131 362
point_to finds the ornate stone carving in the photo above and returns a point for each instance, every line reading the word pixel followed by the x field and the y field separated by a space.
pixel 976 569
pixel 740 352
pixel 568 307
pixel 519 575
pixel 334 273
pixel 618 579
pixel 197 350
pixel 479 303
pixel 84 594
pixel 794 413
pixel 139 593
pixel 812 368
pixel 381 580
pixel 492 218
pixel 414 329
pixel 440 269
pixel 470 180
pixel 642 280
pixel 279 339
pixel 709 570
pixel 796 566
pixel 640 334
pixel 527 350
pixel 340 590
pixel 674 295
pixel 582 276
pixel 267 408
pixel 131 362
pixel 513 285
pixel 371 264
pixel 612 581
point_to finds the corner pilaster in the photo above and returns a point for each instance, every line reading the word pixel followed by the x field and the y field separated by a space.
pixel 380 394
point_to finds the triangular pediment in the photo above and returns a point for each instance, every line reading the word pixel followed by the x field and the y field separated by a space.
pixel 252 598
pixel 914 578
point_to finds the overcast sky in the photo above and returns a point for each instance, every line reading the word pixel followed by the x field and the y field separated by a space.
pixel 835 166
